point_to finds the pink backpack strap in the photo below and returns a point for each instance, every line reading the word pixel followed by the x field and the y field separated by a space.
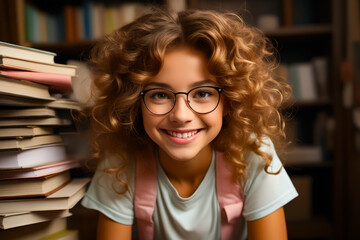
pixel 145 195
pixel 229 194
pixel 230 197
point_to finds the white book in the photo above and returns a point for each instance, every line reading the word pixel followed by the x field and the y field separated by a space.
pixel 32 157
pixel 21 64
pixel 307 84
pixel 33 187
pixel 27 143
pixel 65 198
pixel 27 112
pixel 36 121
pixel 35 231
pixel 12 220
pixel 24 88
pixel 14 132
pixel 27 53
pixel 303 155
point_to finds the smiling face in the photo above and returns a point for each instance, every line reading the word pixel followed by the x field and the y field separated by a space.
pixel 183 134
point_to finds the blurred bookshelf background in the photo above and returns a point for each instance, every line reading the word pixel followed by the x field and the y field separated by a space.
pixel 319 50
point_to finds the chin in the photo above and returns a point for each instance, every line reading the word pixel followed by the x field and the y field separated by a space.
pixel 182 154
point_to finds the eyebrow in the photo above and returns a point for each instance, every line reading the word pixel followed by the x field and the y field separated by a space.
pixel 196 84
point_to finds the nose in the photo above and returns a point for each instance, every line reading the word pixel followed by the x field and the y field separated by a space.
pixel 181 112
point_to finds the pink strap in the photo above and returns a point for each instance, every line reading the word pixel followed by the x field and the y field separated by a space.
pixel 229 194
pixel 230 198
pixel 145 195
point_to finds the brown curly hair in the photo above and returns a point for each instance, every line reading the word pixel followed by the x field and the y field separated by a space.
pixel 240 57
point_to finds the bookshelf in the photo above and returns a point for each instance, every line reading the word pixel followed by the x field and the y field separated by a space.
pixel 315 29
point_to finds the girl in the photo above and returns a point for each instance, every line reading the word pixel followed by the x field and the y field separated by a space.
pixel 176 89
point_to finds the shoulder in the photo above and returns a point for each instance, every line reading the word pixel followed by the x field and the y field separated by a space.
pixel 255 162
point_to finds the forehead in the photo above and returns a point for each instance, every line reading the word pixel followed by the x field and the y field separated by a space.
pixel 183 67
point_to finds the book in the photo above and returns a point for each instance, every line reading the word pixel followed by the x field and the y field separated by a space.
pixel 35 231
pixel 33 187
pixel 303 154
pixel 307 82
pixel 21 64
pixel 70 23
pixel 14 132
pixel 39 171
pixel 67 234
pixel 12 220
pixel 287 12
pixel 56 82
pixel 32 157
pixel 302 79
pixel 36 121
pixel 27 112
pixel 26 53
pixel 32 102
pixel 65 198
pixel 23 88
pixel 321 75
pixel 25 143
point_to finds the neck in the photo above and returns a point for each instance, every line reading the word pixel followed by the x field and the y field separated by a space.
pixel 186 176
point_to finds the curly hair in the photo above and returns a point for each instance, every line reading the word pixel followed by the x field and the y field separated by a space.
pixel 240 57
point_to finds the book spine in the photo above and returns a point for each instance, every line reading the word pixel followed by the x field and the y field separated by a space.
pixel 87 19
pixel 70 23
pixel 30 22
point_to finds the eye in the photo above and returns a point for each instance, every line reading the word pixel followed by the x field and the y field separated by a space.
pixel 203 93
pixel 159 95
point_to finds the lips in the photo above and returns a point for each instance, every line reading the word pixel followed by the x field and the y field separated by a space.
pixel 182 134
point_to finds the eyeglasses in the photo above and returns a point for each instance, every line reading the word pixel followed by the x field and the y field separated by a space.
pixel 161 101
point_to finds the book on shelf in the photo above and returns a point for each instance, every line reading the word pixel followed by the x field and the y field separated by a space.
pixel 32 157
pixel 22 88
pixel 14 132
pixel 36 121
pixel 27 53
pixel 33 187
pixel 302 79
pixel 88 20
pixel 18 219
pixel 40 171
pixel 27 112
pixel 56 82
pixel 70 20
pixel 62 103
pixel 65 198
pixel 35 231
pixel 321 74
pixel 21 64
pixel 25 143
pixel 303 154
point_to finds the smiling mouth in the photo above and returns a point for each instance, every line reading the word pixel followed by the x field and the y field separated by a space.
pixel 182 134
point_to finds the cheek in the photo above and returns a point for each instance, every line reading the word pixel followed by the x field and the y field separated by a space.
pixel 215 119
pixel 150 121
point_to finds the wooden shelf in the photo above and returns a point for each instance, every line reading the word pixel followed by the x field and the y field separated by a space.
pixel 301 30
pixel 322 164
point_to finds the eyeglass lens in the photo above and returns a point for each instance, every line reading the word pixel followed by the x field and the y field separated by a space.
pixel 201 99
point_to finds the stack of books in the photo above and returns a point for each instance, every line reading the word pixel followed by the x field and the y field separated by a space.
pixel 36 187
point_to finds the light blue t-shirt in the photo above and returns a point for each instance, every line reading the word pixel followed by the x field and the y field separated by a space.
pixel 198 216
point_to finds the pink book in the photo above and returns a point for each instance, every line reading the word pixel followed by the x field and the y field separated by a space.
pixel 57 82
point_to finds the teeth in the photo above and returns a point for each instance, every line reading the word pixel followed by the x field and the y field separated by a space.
pixel 182 135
